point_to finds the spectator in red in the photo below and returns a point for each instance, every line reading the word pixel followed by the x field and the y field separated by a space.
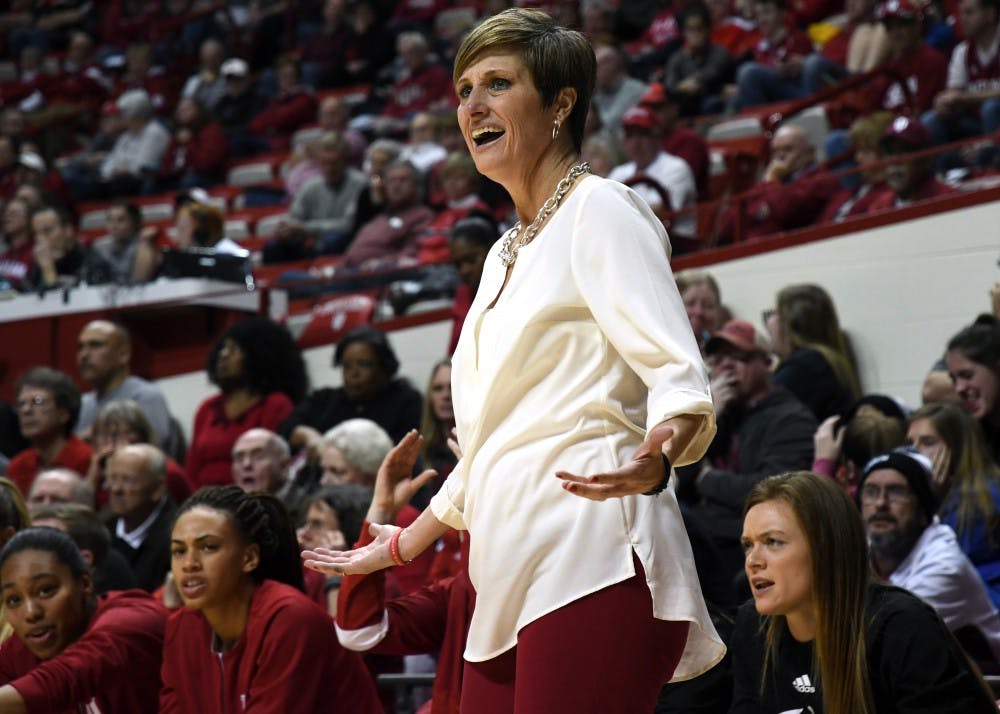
pixel 460 182
pixel 198 151
pixel 48 404
pixel 697 71
pixel 17 249
pixel 90 647
pixel 293 108
pixel 81 78
pixel 422 83
pixel 323 53
pixel 736 33
pixel 911 180
pixel 775 74
pixel 141 73
pixel 856 200
pixel 676 138
pixel 861 45
pixel 791 194
pixel 923 68
pixel 260 375
pixel 971 103
pixel 393 236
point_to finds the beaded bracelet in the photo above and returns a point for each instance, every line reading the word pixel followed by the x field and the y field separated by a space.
pixel 397 559
pixel 659 488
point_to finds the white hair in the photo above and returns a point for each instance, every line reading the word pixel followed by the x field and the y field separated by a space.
pixel 363 443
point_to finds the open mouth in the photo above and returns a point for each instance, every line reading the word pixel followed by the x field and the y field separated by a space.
pixel 761 585
pixel 192 588
pixel 40 636
pixel 486 135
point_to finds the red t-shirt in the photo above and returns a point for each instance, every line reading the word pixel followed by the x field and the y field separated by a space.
pixel 23 468
pixel 209 457
pixel 114 666
pixel 288 661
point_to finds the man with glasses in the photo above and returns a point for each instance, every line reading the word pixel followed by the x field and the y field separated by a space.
pixel 763 429
pixel 48 404
pixel 912 549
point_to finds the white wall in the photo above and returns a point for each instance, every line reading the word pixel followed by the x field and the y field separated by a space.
pixel 901 291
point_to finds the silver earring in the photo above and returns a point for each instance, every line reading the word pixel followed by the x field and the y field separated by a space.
pixel 556 125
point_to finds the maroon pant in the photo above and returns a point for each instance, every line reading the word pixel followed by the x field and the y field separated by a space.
pixel 604 653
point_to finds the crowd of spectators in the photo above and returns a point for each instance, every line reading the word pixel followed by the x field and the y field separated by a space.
pixel 142 99
pixel 103 109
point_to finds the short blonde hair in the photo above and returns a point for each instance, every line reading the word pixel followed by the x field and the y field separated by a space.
pixel 556 57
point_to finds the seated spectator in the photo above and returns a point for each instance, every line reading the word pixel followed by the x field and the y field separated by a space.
pixel 615 92
pixel 470 242
pixel 60 259
pixel 460 184
pixel 207 86
pixel 378 156
pixel 763 429
pixel 153 80
pixel 260 463
pixel 861 45
pixel 967 482
pixel 702 303
pixel 796 646
pixel 677 139
pixel 665 181
pixel 124 256
pixel 970 102
pixel 48 404
pixel 122 423
pixel 875 424
pixel 198 151
pixel 140 511
pixel 601 151
pixel 371 390
pixel 775 73
pixel 104 358
pixel 421 84
pixel 135 158
pixel 923 68
pixel 82 168
pixel 698 70
pixel 239 104
pixel 912 549
pixel 322 216
pixel 323 51
pixel 107 566
pixel 94 644
pixel 58 485
pixel 973 363
pixel 17 249
pixel 201 225
pixel 261 375
pixel 280 651
pixel 290 110
pixel 911 180
pixel 815 364
pixel 858 194
pixel 393 236
pixel 792 191
pixel 334 115
pixel 422 148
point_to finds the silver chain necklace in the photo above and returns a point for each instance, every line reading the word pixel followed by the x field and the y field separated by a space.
pixel 514 239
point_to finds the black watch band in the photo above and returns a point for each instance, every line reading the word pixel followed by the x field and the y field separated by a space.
pixel 658 488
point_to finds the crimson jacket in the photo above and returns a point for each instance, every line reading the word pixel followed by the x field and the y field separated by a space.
pixel 23 468
pixel 206 153
pixel 433 619
pixel 924 71
pixel 288 661
pixel 114 666
pixel 284 115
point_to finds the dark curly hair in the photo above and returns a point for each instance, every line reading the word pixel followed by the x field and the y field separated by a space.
pixel 375 339
pixel 259 518
pixel 271 360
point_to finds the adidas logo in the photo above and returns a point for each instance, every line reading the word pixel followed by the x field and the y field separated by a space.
pixel 803 684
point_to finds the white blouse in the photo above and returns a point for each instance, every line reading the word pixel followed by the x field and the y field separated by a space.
pixel 587 347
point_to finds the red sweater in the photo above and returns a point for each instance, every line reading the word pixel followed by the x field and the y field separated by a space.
pixel 114 667
pixel 25 466
pixel 207 153
pixel 288 661
pixel 924 71
pixel 209 458
pixel 434 618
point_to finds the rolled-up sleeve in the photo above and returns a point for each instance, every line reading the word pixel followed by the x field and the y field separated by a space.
pixel 448 503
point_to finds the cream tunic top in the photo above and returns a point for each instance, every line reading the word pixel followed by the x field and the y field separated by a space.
pixel 587 347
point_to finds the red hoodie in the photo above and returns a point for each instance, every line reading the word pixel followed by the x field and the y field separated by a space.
pixel 288 661
pixel 114 667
